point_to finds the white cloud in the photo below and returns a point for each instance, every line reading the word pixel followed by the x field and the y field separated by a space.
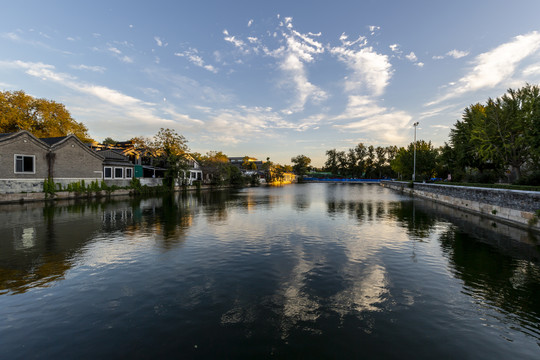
pixel 370 70
pixel 457 54
pixel 160 42
pixel 532 70
pixel 395 48
pixel 435 112
pixel 344 38
pixel 114 50
pixel 386 126
pixel 11 36
pixel 419 64
pixel 129 107
pixel 236 42
pixel 193 56
pixel 494 67
pixel 411 57
pixel 373 28
pixel 99 69
pixel 250 22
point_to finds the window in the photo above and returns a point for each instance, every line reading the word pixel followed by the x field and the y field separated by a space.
pixel 25 164
pixel 129 173
pixel 107 173
pixel 118 173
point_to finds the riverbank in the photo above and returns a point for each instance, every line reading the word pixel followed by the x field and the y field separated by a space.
pixel 64 195
pixel 515 207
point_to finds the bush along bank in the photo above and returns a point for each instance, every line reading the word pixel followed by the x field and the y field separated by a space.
pixel 95 189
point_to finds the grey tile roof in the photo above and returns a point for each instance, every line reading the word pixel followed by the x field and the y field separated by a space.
pixel 52 140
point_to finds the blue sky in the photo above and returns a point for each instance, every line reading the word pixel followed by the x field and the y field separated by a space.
pixel 270 78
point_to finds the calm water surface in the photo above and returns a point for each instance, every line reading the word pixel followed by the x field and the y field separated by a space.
pixel 303 271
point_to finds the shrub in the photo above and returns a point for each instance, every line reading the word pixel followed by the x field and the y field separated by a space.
pixel 49 187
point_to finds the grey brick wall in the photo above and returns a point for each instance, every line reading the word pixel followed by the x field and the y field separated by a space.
pixel 72 160
pixel 22 145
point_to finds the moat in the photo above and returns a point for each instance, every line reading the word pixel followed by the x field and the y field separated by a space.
pixel 301 271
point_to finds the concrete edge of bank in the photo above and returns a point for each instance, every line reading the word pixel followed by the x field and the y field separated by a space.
pixel 515 207
pixel 11 198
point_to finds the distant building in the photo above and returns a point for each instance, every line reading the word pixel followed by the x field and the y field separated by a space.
pixel 239 161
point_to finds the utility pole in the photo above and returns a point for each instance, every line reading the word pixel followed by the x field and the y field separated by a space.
pixel 414 166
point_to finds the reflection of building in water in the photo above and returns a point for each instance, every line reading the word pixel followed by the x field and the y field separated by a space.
pixel 40 242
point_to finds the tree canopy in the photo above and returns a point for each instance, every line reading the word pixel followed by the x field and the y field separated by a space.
pixel 301 164
pixel 41 117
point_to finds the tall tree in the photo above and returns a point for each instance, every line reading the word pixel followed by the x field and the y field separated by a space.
pixel 503 134
pixel 301 164
pixel 426 160
pixel 171 149
pixel 41 117
pixel 331 163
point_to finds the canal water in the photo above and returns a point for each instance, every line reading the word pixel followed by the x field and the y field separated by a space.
pixel 302 271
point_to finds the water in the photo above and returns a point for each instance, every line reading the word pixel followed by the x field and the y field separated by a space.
pixel 302 271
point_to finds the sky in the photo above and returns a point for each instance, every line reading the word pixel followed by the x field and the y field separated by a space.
pixel 270 78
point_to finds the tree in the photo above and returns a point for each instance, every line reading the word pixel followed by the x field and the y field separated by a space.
pixel 109 141
pixel 331 163
pixel 41 117
pixel 465 146
pixel 426 160
pixel 381 160
pixel 301 164
pixel 171 148
pixel 360 164
pixel 248 164
pixel 505 134
pixel 216 164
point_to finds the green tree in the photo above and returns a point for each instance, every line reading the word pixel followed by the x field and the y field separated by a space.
pixel 331 163
pixel 171 149
pixel 109 141
pixel 360 151
pixel 426 161
pixel 301 164
pixel 380 152
pixel 505 135
pixel 467 157
pixel 41 117
pixel 216 164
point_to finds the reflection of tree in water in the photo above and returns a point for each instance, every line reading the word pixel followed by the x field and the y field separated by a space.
pixel 417 222
pixel 215 205
pixel 503 281
pixel 41 241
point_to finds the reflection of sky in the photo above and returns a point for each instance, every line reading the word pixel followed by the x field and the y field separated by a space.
pixel 306 235
pixel 291 260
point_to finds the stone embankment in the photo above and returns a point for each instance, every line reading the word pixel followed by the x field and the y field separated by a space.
pixel 61 195
pixel 511 206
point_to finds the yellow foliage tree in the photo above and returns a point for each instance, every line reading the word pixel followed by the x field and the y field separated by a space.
pixel 41 117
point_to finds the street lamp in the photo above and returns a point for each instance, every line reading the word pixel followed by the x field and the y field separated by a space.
pixel 414 166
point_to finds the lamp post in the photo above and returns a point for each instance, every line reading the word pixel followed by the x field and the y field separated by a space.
pixel 414 166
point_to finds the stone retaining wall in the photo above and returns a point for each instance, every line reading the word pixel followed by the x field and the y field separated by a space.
pixel 513 206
